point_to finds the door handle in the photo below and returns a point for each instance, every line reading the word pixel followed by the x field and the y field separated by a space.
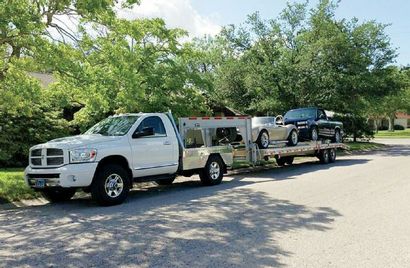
pixel 167 143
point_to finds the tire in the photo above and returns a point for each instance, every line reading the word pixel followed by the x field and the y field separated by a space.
pixel 332 155
pixel 324 156
pixel 281 161
pixel 111 185
pixel 314 134
pixel 212 173
pixel 337 138
pixel 289 160
pixel 56 195
pixel 263 139
pixel 293 138
pixel 168 181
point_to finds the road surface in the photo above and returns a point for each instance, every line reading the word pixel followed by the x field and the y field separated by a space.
pixel 353 213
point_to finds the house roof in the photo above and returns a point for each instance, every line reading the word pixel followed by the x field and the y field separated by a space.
pixel 400 115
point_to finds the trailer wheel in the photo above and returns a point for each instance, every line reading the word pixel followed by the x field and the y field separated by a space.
pixel 332 155
pixel 111 185
pixel 289 160
pixel 280 161
pixel 167 181
pixel 324 156
pixel 212 173
pixel 55 195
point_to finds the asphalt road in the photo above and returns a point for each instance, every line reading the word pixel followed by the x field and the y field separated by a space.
pixel 353 213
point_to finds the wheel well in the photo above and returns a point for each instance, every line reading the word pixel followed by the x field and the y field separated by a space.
pixel 118 160
pixel 220 157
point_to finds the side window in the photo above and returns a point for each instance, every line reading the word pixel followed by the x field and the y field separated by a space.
pixel 321 114
pixel 156 123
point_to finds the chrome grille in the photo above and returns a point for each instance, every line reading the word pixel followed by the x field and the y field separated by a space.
pixel 47 157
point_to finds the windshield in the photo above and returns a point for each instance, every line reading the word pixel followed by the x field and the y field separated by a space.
pixel 113 126
pixel 301 114
pixel 263 120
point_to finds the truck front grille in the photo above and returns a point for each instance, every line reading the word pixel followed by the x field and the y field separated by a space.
pixel 46 157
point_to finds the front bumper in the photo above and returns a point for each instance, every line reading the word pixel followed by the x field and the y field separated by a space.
pixel 73 175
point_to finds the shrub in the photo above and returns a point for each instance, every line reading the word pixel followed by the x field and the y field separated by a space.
pixel 398 127
pixel 355 126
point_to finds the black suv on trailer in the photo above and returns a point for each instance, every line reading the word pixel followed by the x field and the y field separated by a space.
pixel 313 123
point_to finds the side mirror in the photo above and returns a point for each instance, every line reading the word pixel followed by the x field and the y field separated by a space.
pixel 146 131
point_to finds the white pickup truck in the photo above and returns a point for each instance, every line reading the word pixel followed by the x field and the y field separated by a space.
pixel 118 151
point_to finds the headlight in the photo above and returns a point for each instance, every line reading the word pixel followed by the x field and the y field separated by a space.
pixel 82 155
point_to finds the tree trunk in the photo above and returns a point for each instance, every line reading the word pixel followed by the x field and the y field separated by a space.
pixel 391 123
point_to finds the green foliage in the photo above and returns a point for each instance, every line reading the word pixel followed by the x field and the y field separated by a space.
pixel 355 126
pixel 303 58
pixel 28 116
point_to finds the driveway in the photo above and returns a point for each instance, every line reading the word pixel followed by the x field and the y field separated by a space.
pixel 353 213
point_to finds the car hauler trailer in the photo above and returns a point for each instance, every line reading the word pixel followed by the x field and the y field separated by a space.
pixel 124 149
pixel 247 151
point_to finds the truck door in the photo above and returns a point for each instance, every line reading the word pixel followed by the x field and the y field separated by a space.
pixel 155 152
pixel 323 123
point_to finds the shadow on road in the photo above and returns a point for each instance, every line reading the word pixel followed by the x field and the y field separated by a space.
pixel 206 226
pixel 180 225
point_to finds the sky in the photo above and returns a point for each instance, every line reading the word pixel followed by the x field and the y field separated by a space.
pixel 200 17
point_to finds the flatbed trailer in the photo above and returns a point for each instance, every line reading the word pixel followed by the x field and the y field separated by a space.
pixel 247 151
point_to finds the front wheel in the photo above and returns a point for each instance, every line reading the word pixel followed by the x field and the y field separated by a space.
pixel 56 195
pixel 212 173
pixel 263 139
pixel 111 185
pixel 314 134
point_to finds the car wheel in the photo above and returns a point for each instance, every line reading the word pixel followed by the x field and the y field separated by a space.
pixel 212 173
pixel 167 181
pixel 324 156
pixel 293 138
pixel 337 138
pixel 314 134
pixel 263 140
pixel 56 195
pixel 111 185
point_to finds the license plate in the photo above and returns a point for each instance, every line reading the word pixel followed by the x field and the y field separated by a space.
pixel 40 183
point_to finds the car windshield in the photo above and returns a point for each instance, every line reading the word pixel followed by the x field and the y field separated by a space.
pixel 113 126
pixel 301 114
pixel 263 120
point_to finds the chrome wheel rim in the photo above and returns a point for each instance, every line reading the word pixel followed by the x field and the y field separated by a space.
pixel 214 170
pixel 314 134
pixel 264 140
pixel 114 185
pixel 337 137
pixel 294 137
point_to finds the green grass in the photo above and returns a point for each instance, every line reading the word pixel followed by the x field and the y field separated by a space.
pixel 393 134
pixel 364 146
pixel 13 187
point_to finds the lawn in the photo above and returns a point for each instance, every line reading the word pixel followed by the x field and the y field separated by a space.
pixel 364 146
pixel 13 187
pixel 393 134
